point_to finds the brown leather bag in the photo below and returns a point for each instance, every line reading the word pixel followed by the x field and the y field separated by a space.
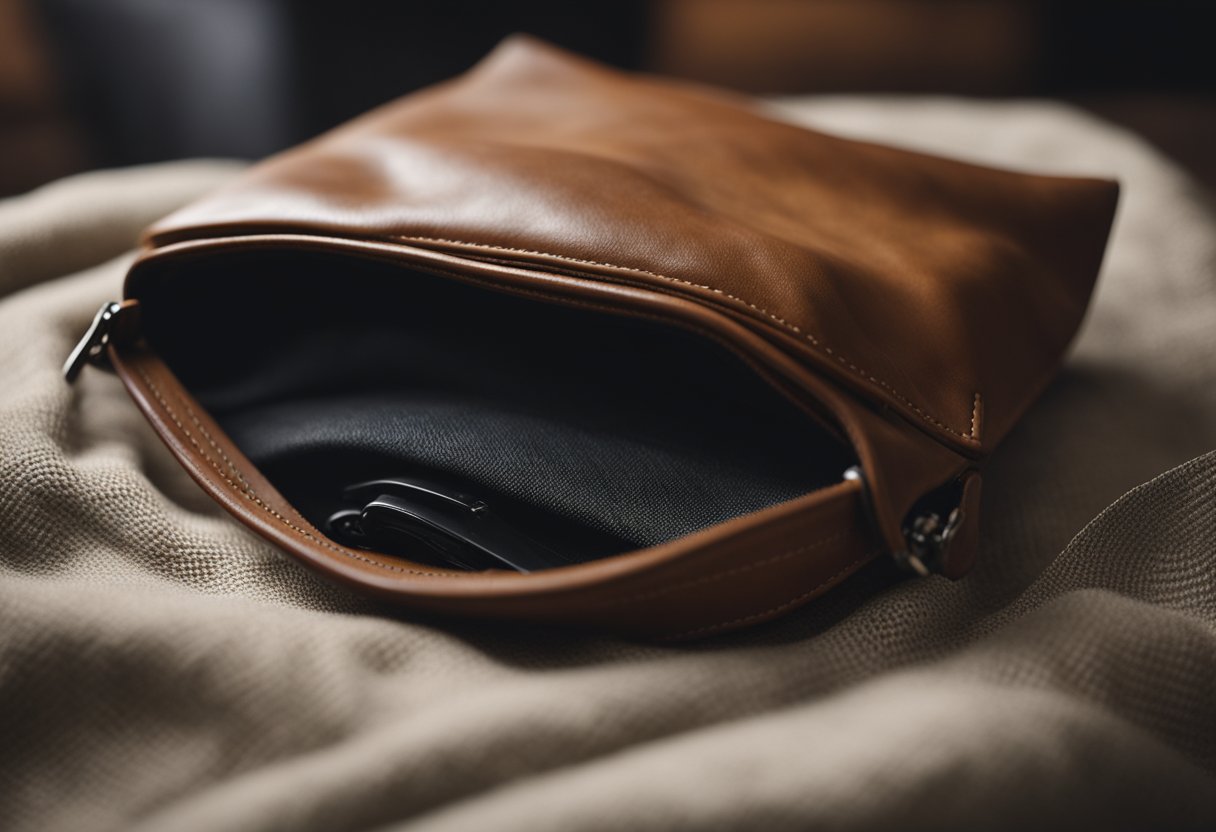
pixel 793 350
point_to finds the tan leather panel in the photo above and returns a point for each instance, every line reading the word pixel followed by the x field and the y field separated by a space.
pixel 945 290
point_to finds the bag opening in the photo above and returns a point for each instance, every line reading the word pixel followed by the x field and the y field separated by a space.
pixel 585 434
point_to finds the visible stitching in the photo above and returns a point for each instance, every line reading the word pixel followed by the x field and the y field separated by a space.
pixel 807 336
pixel 975 418
pixel 247 486
pixel 772 610
pixel 247 490
pixel 726 573
pixel 211 441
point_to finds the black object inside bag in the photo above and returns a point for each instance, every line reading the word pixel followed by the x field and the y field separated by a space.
pixel 560 433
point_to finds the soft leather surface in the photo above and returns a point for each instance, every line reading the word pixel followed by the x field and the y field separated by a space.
pixel 940 290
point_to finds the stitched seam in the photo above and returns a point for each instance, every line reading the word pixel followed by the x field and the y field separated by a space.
pixel 240 476
pixel 252 496
pixel 807 336
pixel 709 628
pixel 726 573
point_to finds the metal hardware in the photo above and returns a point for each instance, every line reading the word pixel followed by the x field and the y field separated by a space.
pixel 927 536
pixel 455 528
pixel 855 474
pixel 92 347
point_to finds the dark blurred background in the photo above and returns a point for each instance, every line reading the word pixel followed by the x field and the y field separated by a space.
pixel 93 83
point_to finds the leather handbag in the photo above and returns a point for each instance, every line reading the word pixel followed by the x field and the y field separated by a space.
pixel 557 343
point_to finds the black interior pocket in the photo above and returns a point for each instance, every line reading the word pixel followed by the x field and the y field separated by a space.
pixel 588 432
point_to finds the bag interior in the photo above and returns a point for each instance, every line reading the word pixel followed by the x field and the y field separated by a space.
pixel 588 433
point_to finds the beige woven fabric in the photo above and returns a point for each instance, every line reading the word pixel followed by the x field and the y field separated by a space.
pixel 164 670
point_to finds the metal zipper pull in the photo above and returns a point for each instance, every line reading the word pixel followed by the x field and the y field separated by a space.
pixel 92 347
pixel 927 536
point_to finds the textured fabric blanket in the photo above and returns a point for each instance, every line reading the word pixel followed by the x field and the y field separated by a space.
pixel 162 669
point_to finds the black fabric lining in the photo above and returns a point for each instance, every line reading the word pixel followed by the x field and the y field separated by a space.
pixel 597 433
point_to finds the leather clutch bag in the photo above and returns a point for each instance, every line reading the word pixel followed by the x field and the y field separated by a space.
pixel 557 343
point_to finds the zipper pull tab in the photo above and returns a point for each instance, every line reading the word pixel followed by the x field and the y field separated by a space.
pixel 928 538
pixel 92 347
pixel 926 535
